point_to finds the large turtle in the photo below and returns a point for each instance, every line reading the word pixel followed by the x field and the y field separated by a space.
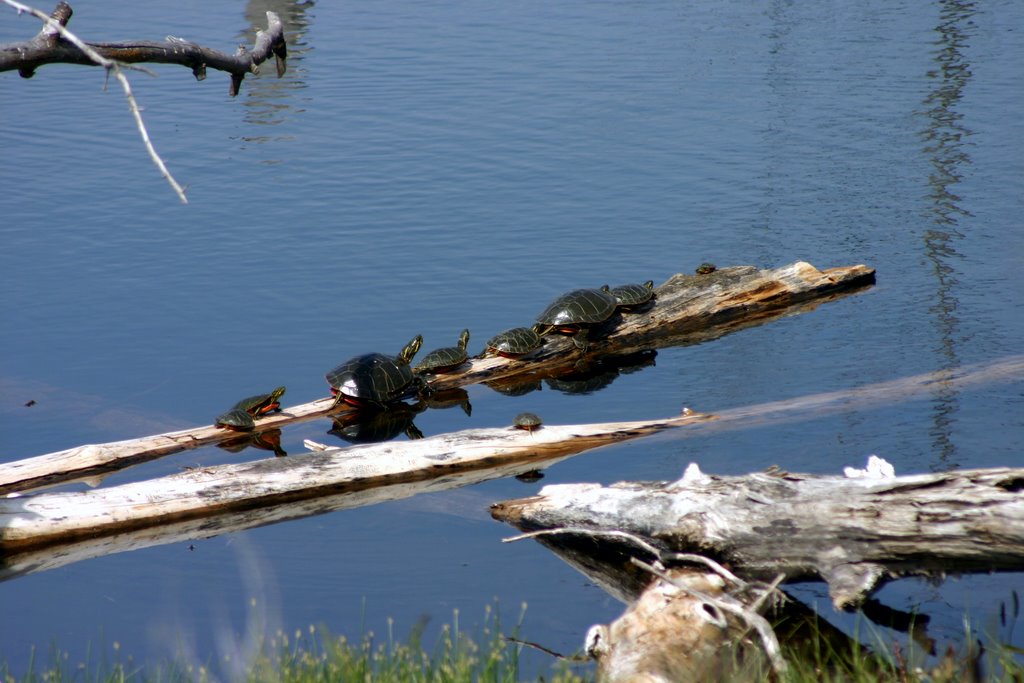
pixel 632 296
pixel 513 342
pixel 261 404
pixel 375 380
pixel 446 358
pixel 575 312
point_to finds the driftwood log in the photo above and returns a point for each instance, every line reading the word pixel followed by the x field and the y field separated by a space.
pixel 853 533
pixel 48 47
pixel 687 309
pixel 47 519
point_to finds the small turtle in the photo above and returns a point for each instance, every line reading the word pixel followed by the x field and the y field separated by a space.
pixel 236 420
pixel 531 476
pixel 514 342
pixel 632 296
pixel 575 312
pixel 374 380
pixel 261 404
pixel 447 358
pixel 527 421
pixel 706 268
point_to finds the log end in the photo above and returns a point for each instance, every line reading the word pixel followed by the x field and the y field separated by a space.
pixel 850 584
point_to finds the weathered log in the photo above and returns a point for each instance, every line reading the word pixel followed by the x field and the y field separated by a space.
pixel 853 533
pixel 48 47
pixel 45 519
pixel 687 309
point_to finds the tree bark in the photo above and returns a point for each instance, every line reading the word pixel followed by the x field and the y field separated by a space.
pixel 47 519
pixel 687 309
pixel 48 47
pixel 853 533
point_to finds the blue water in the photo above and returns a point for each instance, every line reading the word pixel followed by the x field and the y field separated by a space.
pixel 425 167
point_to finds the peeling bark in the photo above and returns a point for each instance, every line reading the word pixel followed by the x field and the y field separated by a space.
pixel 853 533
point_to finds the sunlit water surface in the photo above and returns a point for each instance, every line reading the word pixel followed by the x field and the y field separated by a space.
pixel 425 167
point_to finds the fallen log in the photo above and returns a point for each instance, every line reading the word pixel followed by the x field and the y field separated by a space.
pixel 49 47
pixel 853 533
pixel 687 309
pixel 47 519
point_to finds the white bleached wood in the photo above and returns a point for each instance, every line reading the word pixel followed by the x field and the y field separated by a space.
pixel 50 518
pixel 687 309
pixel 850 532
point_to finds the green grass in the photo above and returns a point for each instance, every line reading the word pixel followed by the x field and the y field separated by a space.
pixel 313 655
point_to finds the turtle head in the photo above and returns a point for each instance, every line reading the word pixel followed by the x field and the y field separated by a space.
pixel 606 288
pixel 464 339
pixel 649 284
pixel 277 393
pixel 411 349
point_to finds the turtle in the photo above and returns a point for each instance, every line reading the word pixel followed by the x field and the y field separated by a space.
pixel 447 358
pixel 261 404
pixel 514 342
pixel 527 421
pixel 236 420
pixel 575 312
pixel 706 268
pixel 632 296
pixel 375 380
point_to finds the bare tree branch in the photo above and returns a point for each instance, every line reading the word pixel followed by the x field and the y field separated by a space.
pixel 56 44
pixel 52 46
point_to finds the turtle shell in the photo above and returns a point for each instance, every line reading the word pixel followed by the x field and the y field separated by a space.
pixel 375 379
pixel 261 404
pixel 235 419
pixel 447 358
pixel 527 421
pixel 578 307
pixel 633 295
pixel 514 342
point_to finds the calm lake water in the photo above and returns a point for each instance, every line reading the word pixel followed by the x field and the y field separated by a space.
pixel 429 166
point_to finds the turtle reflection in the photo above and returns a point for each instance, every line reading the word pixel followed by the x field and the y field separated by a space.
pixel 586 379
pixel 515 386
pixel 456 397
pixel 269 440
pixel 373 426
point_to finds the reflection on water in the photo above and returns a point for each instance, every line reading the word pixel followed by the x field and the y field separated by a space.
pixel 945 137
pixel 596 376
pixel 373 426
pixel 270 101
pixel 456 397
pixel 269 440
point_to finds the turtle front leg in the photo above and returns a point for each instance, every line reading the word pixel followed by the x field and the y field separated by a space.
pixel 580 339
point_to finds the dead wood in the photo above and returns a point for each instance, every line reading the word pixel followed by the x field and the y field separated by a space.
pixel 49 47
pixel 853 533
pixel 687 309
pixel 46 519
pixel 676 631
